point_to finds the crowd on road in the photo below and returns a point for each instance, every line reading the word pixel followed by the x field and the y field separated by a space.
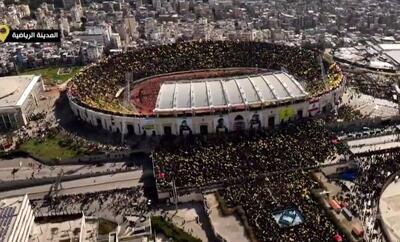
pixel 98 84
pixel 363 197
pixel 264 196
pixel 115 202
pixel 238 156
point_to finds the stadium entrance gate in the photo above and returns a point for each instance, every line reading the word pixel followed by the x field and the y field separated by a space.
pixel 203 129
pixel 299 113
pixel 239 123
pixel 167 130
pixel 271 122
pixel 131 130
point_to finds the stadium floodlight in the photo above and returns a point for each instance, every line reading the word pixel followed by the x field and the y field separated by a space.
pixel 128 79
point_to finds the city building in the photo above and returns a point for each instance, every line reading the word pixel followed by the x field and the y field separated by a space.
pixel 19 96
pixel 16 218
pixel 76 227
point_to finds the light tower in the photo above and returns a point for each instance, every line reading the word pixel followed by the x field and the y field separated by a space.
pixel 321 63
pixel 127 98
pixel 127 91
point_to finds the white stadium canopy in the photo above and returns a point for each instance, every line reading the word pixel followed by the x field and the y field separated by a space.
pixel 243 91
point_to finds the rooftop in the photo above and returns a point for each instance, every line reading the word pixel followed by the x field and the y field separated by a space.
pixel 60 230
pixel 15 89
pixel 204 94
pixel 394 54
pixel 9 209
pixel 389 46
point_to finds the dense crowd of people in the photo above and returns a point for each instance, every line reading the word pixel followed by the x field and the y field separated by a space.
pixel 262 197
pixel 98 85
pixel 263 174
pixel 304 144
pixel 363 196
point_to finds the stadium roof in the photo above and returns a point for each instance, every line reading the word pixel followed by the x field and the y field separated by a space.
pixel 395 55
pixel 15 89
pixel 243 91
pixel 391 50
pixel 389 46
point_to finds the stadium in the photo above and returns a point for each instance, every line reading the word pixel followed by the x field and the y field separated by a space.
pixel 205 87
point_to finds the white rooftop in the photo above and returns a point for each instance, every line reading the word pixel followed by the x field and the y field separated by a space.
pixel 9 209
pixel 15 89
pixel 79 229
pixel 381 64
pixel 242 91
pixel 389 46
pixel 394 54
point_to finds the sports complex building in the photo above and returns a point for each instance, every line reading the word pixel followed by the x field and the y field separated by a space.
pixel 19 96
pixel 186 88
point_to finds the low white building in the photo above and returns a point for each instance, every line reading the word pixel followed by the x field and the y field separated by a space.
pixel 77 228
pixel 16 218
pixel 19 96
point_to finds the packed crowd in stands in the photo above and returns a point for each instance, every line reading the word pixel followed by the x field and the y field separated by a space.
pixel 236 156
pixel 263 196
pixel 363 196
pixel 98 85
pixel 116 202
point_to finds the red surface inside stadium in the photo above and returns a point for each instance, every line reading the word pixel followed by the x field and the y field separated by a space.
pixel 144 93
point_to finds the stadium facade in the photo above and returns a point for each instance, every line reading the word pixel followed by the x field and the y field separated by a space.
pixel 197 102
pixel 213 105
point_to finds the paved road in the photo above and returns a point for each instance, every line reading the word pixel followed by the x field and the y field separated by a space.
pixel 373 140
pixel 374 144
pixel 374 147
pixel 27 166
pixel 100 183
